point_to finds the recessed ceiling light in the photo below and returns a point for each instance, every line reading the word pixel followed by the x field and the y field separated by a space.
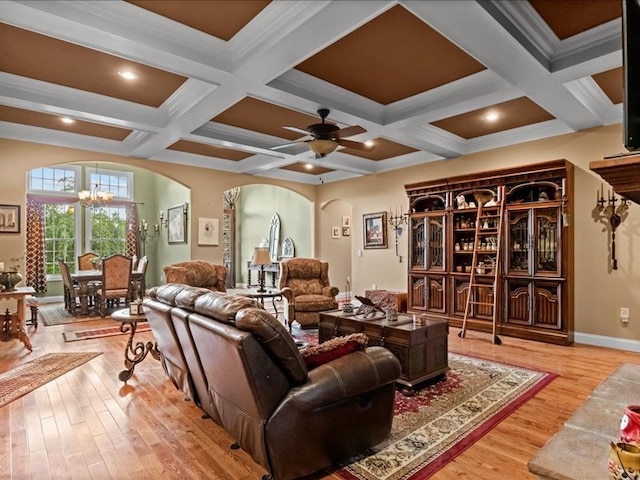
pixel 369 143
pixel 127 74
pixel 309 166
pixel 67 120
pixel 491 116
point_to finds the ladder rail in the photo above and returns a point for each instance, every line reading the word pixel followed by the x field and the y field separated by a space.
pixel 474 285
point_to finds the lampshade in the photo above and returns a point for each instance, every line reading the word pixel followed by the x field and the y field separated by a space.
pixel 322 147
pixel 261 256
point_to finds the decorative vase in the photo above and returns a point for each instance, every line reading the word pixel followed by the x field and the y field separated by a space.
pixel 624 462
pixel 630 425
pixel 9 280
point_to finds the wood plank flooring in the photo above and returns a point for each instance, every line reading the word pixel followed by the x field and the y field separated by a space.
pixel 88 425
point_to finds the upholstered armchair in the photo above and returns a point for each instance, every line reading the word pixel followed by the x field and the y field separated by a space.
pixel 197 273
pixel 305 284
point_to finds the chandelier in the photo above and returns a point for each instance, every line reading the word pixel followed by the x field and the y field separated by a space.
pixel 95 197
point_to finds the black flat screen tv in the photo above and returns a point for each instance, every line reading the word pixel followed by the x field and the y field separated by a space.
pixel 631 68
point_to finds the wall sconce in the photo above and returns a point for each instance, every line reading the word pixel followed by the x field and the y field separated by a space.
pixel 396 220
pixel 164 222
pixel 611 215
pixel 261 257
pixel 145 235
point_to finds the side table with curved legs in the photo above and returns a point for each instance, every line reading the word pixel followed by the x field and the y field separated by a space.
pixel 133 354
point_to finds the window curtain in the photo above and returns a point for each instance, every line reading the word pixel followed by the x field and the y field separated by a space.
pixel 34 258
pixel 132 246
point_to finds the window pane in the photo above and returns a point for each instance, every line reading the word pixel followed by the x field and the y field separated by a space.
pixel 52 180
pixel 114 182
pixel 59 237
pixel 108 234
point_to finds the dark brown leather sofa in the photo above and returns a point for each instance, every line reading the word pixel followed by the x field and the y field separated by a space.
pixel 242 367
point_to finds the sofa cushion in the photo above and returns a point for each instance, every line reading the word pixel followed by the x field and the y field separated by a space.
pixel 168 293
pixel 337 347
pixel 300 286
pixel 314 303
pixel 276 340
pixel 223 306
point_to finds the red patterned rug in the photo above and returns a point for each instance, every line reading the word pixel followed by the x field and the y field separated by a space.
pixel 86 334
pixel 445 418
pixel 31 375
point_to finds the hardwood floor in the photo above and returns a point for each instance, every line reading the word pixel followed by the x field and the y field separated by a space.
pixel 87 424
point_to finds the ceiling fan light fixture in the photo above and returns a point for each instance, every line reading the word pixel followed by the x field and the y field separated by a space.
pixel 322 147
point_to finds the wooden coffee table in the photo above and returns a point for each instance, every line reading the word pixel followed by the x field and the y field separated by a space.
pixel 422 350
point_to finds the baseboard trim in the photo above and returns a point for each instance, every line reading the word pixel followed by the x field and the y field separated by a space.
pixel 610 342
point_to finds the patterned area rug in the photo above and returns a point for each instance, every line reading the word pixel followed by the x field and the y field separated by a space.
pixel 31 375
pixel 55 314
pixel 86 334
pixel 443 419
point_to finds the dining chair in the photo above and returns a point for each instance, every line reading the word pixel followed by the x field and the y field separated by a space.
pixel 138 282
pixel 71 291
pixel 116 281
pixel 85 261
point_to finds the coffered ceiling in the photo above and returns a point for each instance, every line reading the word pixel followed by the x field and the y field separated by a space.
pixel 218 80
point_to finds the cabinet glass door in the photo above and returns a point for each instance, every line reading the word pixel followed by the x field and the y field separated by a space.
pixel 427 242
pixel 547 241
pixel 435 254
pixel 519 240
pixel 418 231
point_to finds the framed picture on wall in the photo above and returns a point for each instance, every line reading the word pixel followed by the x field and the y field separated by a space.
pixel 346 221
pixel 208 231
pixel 335 232
pixel 374 230
pixel 346 231
pixel 9 218
pixel 177 227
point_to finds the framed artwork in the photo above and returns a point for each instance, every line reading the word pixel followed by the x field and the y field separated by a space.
pixel 346 231
pixel 177 227
pixel 375 230
pixel 9 218
pixel 208 231
pixel 335 232
pixel 346 221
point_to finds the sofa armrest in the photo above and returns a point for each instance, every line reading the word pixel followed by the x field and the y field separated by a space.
pixel 347 376
pixel 330 291
pixel 287 293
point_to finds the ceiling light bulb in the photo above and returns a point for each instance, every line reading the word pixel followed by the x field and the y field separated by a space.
pixel 127 75
pixel 67 120
pixel 309 166
pixel 491 117
pixel 369 143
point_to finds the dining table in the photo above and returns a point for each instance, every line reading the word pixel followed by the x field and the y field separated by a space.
pixel 84 277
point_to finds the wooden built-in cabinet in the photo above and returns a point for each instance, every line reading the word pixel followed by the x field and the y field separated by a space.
pixel 534 265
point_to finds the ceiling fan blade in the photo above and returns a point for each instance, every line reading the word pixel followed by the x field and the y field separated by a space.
pixel 355 145
pixel 298 130
pixel 349 131
pixel 286 145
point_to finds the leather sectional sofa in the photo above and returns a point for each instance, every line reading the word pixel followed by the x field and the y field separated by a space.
pixel 242 367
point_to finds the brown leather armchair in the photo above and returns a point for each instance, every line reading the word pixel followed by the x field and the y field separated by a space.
pixel 305 284
pixel 197 273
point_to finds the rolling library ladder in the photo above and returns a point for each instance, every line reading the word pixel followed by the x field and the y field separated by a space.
pixel 489 222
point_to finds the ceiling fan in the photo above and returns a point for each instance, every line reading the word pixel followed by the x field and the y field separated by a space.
pixel 326 137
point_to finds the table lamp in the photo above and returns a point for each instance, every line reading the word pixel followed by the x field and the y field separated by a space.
pixel 261 258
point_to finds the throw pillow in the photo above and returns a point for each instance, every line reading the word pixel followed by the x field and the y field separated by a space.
pixel 317 355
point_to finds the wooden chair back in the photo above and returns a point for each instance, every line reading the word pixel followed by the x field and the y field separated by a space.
pixel 84 261
pixel 116 273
